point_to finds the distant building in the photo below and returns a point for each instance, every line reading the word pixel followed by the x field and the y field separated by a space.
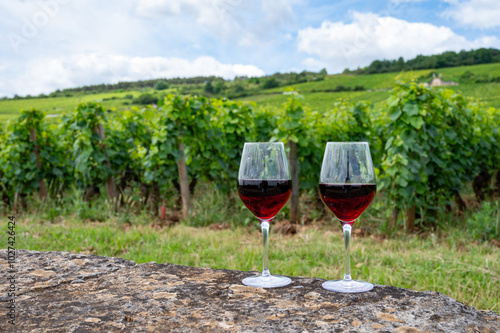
pixel 437 82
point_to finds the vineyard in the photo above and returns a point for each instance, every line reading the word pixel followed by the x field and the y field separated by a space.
pixel 426 144
pixel 477 81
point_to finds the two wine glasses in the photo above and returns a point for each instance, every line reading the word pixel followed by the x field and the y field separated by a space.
pixel 347 187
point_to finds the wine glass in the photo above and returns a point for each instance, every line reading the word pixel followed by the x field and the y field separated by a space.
pixel 264 186
pixel 347 187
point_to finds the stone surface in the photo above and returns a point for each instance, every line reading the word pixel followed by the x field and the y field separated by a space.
pixel 66 292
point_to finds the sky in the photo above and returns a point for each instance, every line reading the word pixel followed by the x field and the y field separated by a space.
pixel 56 44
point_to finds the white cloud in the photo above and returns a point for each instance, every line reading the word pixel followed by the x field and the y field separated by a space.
pixel 46 75
pixel 475 13
pixel 210 14
pixel 69 26
pixel 217 15
pixel 369 37
pixel 246 22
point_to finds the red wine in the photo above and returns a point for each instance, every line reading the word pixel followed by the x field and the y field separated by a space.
pixel 264 198
pixel 347 201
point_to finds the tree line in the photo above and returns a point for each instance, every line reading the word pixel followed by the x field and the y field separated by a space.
pixel 211 86
pixel 445 59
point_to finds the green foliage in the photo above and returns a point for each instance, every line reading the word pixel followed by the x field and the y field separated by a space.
pixel 234 121
pixel 57 170
pixel 159 161
pixel 128 136
pixel 341 88
pixel 356 121
pixel 30 119
pixel 290 125
pixel 146 99
pixel 89 154
pixel 209 88
pixel 187 122
pixel 87 211
pixel 485 224
pixel 270 83
pixel 301 126
pixel 353 121
pixel 19 170
pixel 18 165
pixel 219 86
pixel 435 143
pixel 265 123
pixel 486 143
pixel 161 85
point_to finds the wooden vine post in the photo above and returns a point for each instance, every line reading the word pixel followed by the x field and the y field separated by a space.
pixel 154 198
pixel 293 129
pixel 410 219
pixel 294 170
pixel 16 200
pixel 460 203
pixel 497 183
pixel 394 218
pixel 183 181
pixel 110 183
pixel 42 192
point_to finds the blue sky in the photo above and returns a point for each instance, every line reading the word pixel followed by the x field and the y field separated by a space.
pixel 55 44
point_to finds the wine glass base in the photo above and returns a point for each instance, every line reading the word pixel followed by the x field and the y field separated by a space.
pixel 271 281
pixel 353 286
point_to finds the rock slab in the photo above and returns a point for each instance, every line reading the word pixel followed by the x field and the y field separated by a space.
pixel 67 292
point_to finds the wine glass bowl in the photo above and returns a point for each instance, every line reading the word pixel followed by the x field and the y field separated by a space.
pixel 264 187
pixel 347 187
pixel 264 198
pixel 347 201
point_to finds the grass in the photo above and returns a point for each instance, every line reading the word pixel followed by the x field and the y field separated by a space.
pixel 322 101
pixel 447 260
pixel 58 105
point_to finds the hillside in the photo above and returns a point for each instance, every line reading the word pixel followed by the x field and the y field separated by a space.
pixel 478 81
pixel 377 86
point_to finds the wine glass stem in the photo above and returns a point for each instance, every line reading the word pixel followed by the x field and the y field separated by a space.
pixel 347 263
pixel 265 241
